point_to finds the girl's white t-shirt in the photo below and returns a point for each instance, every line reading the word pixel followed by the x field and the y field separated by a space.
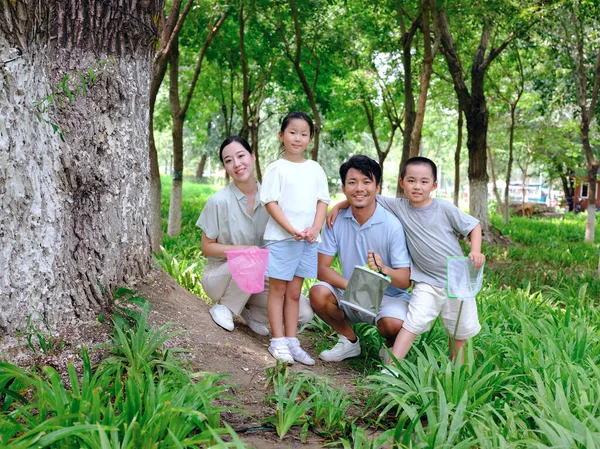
pixel 296 186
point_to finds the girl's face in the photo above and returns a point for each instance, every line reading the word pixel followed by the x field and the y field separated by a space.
pixel 238 162
pixel 295 138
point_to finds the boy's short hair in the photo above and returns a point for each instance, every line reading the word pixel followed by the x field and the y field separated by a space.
pixel 363 164
pixel 419 161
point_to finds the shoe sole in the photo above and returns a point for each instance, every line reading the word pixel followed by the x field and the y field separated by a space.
pixel 326 359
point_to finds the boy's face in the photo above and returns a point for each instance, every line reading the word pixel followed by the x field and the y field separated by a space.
pixel 360 190
pixel 418 184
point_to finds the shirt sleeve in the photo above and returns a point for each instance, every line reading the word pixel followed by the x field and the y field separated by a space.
pixel 328 244
pixel 399 255
pixel 323 189
pixel 460 221
pixel 271 185
pixel 209 219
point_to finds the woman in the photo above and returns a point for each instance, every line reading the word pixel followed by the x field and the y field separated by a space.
pixel 234 218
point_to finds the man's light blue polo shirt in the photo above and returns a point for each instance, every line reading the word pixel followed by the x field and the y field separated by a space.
pixel 382 233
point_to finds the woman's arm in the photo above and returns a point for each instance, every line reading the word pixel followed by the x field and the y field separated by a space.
pixel 212 248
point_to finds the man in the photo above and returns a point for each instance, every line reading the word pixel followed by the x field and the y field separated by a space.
pixel 363 233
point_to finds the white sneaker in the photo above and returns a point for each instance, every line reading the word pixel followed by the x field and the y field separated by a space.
pixel 343 349
pixel 255 326
pixel 384 355
pixel 279 349
pixel 222 316
pixel 299 354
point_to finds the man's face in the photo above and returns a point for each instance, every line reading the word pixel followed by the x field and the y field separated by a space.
pixel 360 190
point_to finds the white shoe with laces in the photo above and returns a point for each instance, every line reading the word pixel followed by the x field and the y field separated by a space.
pixel 255 326
pixel 222 316
pixel 344 349
pixel 279 349
pixel 299 354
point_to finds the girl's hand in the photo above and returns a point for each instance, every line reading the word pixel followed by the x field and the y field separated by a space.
pixel 332 215
pixel 298 235
pixel 311 234
pixel 478 259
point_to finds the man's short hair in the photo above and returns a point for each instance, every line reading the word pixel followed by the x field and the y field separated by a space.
pixel 364 164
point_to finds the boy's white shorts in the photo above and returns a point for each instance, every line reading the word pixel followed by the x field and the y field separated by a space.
pixel 428 302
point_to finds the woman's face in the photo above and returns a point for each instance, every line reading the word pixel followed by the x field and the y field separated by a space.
pixel 238 162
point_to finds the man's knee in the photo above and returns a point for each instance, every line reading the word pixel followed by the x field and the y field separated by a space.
pixel 320 297
pixel 389 327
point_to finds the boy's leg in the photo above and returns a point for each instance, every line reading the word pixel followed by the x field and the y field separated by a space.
pixel 423 308
pixel 459 330
pixel 455 348
pixel 291 306
pixel 403 343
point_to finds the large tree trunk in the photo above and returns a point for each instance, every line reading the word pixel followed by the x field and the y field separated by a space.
pixel 74 224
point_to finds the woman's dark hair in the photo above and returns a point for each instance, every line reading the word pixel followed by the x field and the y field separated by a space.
pixel 419 161
pixel 301 116
pixel 363 164
pixel 232 139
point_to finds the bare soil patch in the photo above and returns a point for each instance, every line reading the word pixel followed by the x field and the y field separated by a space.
pixel 241 355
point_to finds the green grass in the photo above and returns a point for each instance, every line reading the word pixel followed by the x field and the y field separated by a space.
pixel 530 378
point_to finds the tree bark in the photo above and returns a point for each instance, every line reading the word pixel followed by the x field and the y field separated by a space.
pixel 295 58
pixel 178 114
pixel 201 167
pixel 409 98
pixel 74 224
pixel 474 106
pixel 459 138
pixel 169 33
pixel 429 51
pixel 499 208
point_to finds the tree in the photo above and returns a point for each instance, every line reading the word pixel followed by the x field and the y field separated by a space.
pixel 504 91
pixel 579 25
pixel 74 110
pixel 473 101
pixel 178 115
pixel 170 26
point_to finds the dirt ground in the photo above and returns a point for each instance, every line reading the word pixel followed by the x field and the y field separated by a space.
pixel 242 355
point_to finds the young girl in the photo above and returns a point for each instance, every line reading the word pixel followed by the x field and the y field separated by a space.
pixel 295 194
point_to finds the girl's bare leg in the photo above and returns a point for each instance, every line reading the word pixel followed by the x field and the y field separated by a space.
pixel 277 291
pixel 291 306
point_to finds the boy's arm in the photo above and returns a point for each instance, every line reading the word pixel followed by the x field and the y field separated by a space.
pixel 312 233
pixel 475 255
pixel 327 274
pixel 400 277
pixel 335 210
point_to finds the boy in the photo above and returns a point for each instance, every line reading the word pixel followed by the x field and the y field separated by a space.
pixel 430 225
